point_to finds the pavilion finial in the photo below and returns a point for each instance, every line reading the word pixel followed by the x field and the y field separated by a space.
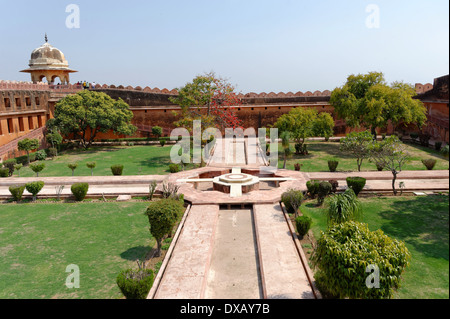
pixel 46 38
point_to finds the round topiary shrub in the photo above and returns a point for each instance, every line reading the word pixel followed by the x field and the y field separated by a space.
pixel 34 188
pixel 334 185
pixel 303 224
pixel 37 167
pixel 135 284
pixel 356 183
pixel 174 168
pixel 292 200
pixel 79 191
pixel 4 172
pixel 162 141
pixel 117 170
pixel 313 188
pixel 346 256
pixel 17 192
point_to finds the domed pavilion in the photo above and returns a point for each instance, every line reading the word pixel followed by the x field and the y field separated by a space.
pixel 48 62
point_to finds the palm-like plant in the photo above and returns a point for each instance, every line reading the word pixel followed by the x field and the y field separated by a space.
pixel 343 207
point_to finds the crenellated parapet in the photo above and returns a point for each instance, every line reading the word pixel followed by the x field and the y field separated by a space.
pixel 240 95
pixel 21 86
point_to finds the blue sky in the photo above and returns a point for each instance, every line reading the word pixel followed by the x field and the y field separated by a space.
pixel 260 46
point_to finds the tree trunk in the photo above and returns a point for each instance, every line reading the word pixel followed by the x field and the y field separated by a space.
pixel 285 159
pixel 393 183
pixel 374 133
pixel 158 249
pixel 359 162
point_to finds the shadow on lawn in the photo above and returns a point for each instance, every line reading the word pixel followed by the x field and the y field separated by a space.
pixel 422 222
pixel 138 252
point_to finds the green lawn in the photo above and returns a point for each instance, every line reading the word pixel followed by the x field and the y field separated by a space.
pixel 322 152
pixel 137 160
pixel 38 242
pixel 423 224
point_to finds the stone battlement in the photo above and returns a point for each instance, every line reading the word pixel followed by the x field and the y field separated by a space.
pixel 241 95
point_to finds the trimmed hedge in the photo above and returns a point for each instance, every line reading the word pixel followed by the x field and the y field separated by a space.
pixel 79 191
pixel 292 200
pixel 9 164
pixel 41 155
pixel 17 192
pixel 313 188
pixel 332 165
pixel 174 168
pixel 4 172
pixel 34 188
pixel 356 183
pixel 303 224
pixel 325 189
pixel 429 163
pixel 135 284
pixel 117 170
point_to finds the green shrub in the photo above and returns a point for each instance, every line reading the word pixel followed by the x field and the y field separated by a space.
pixel 325 189
pixel 34 188
pixel 429 163
pixel 157 131
pixel 162 141
pixel 334 185
pixel 313 188
pixel 135 284
pixel 380 166
pixel 174 168
pixel 445 151
pixel 303 224
pixel 32 157
pixel 332 165
pixel 356 183
pixel 117 170
pixel 292 200
pixel 345 251
pixel 437 146
pixel 40 155
pixel 22 160
pixel 37 167
pixel 9 164
pixel 162 216
pixel 52 152
pixel 4 172
pixel 79 190
pixel 17 192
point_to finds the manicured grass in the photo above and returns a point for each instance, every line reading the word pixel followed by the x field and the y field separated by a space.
pixel 423 224
pixel 137 160
pixel 38 242
pixel 322 152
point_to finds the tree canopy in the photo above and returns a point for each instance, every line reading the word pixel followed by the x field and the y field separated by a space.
pixel 366 100
pixel 213 93
pixel 88 113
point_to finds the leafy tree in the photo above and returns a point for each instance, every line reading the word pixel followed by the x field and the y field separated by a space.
pixel 55 139
pixel 366 100
pixel 357 144
pixel 299 122
pixel 91 165
pixel 157 131
pixel 28 145
pixel 73 167
pixel 88 113
pixel 324 125
pixel 162 216
pixel 285 143
pixel 213 93
pixel 37 168
pixel 391 154
pixel 292 200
